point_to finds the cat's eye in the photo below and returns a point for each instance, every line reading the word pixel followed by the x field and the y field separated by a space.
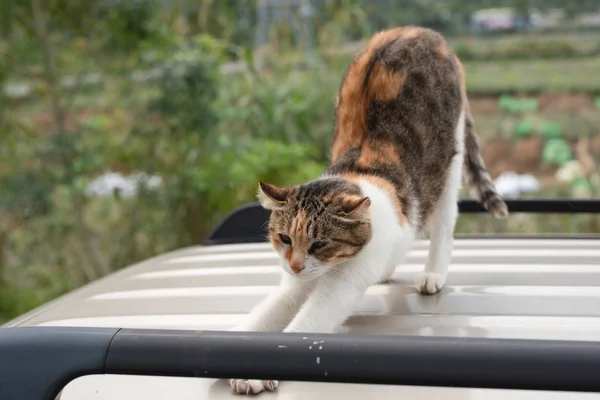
pixel 285 238
pixel 316 246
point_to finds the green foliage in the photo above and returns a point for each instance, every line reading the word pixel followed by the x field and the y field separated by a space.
pixel 515 105
pixel 583 184
pixel 209 137
pixel 536 76
pixel 525 49
pixel 551 130
pixel 187 93
pixel 134 22
pixel 231 175
pixel 557 152
pixel 523 129
pixel 14 301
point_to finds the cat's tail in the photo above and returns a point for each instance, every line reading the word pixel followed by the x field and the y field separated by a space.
pixel 474 169
pixel 477 175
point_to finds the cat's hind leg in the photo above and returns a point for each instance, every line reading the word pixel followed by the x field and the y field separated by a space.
pixel 442 223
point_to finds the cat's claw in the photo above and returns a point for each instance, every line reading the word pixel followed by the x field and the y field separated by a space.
pixel 430 282
pixel 252 386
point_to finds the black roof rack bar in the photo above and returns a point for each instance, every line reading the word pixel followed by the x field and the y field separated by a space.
pixel 247 224
pixel 37 362
pixel 538 206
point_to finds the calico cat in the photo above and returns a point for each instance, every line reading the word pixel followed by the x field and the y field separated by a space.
pixel 403 136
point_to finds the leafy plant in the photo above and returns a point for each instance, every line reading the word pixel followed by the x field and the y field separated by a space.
pixel 557 152
pixel 510 104
pixel 551 130
pixel 523 129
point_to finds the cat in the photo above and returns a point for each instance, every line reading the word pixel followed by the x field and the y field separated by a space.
pixel 403 137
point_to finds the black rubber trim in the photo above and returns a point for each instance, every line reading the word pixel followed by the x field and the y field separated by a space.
pixel 37 362
pixel 538 206
pixel 248 223
pixel 550 236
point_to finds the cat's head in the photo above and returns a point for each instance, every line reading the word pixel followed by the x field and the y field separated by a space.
pixel 317 225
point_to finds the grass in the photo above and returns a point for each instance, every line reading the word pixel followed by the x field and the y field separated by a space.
pixel 583 40
pixel 579 75
pixel 521 76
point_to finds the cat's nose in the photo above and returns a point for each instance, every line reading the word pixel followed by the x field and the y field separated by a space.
pixel 297 267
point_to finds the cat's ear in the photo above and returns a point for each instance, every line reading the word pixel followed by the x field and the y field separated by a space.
pixel 272 197
pixel 355 206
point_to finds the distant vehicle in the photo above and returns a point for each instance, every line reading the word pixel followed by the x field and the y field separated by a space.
pixel 520 313
pixel 499 20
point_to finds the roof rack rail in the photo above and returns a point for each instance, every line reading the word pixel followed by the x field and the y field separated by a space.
pixel 247 224
pixel 36 363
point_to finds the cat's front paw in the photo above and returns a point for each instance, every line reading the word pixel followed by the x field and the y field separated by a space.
pixel 252 386
pixel 341 329
pixel 430 282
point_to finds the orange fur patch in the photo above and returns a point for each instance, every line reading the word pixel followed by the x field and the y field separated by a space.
pixel 411 31
pixel 382 184
pixel 297 230
pixel 461 74
pixel 444 51
pixel 298 227
pixel 385 154
pixel 288 253
pixel 461 70
pixel 342 257
pixel 352 113
pixel 384 84
pixel 275 244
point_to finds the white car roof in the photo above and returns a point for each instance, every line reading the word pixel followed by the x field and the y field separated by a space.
pixel 497 288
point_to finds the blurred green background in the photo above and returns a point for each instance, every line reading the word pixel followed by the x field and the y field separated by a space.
pixel 130 128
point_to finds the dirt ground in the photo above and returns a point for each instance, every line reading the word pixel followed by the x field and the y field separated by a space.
pixel 522 157
pixel 525 156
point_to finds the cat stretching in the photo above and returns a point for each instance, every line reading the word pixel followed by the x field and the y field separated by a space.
pixel 403 132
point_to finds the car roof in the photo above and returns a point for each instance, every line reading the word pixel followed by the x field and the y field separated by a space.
pixel 544 288
pixel 525 288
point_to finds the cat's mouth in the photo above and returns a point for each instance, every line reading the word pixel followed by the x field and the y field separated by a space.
pixel 306 274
